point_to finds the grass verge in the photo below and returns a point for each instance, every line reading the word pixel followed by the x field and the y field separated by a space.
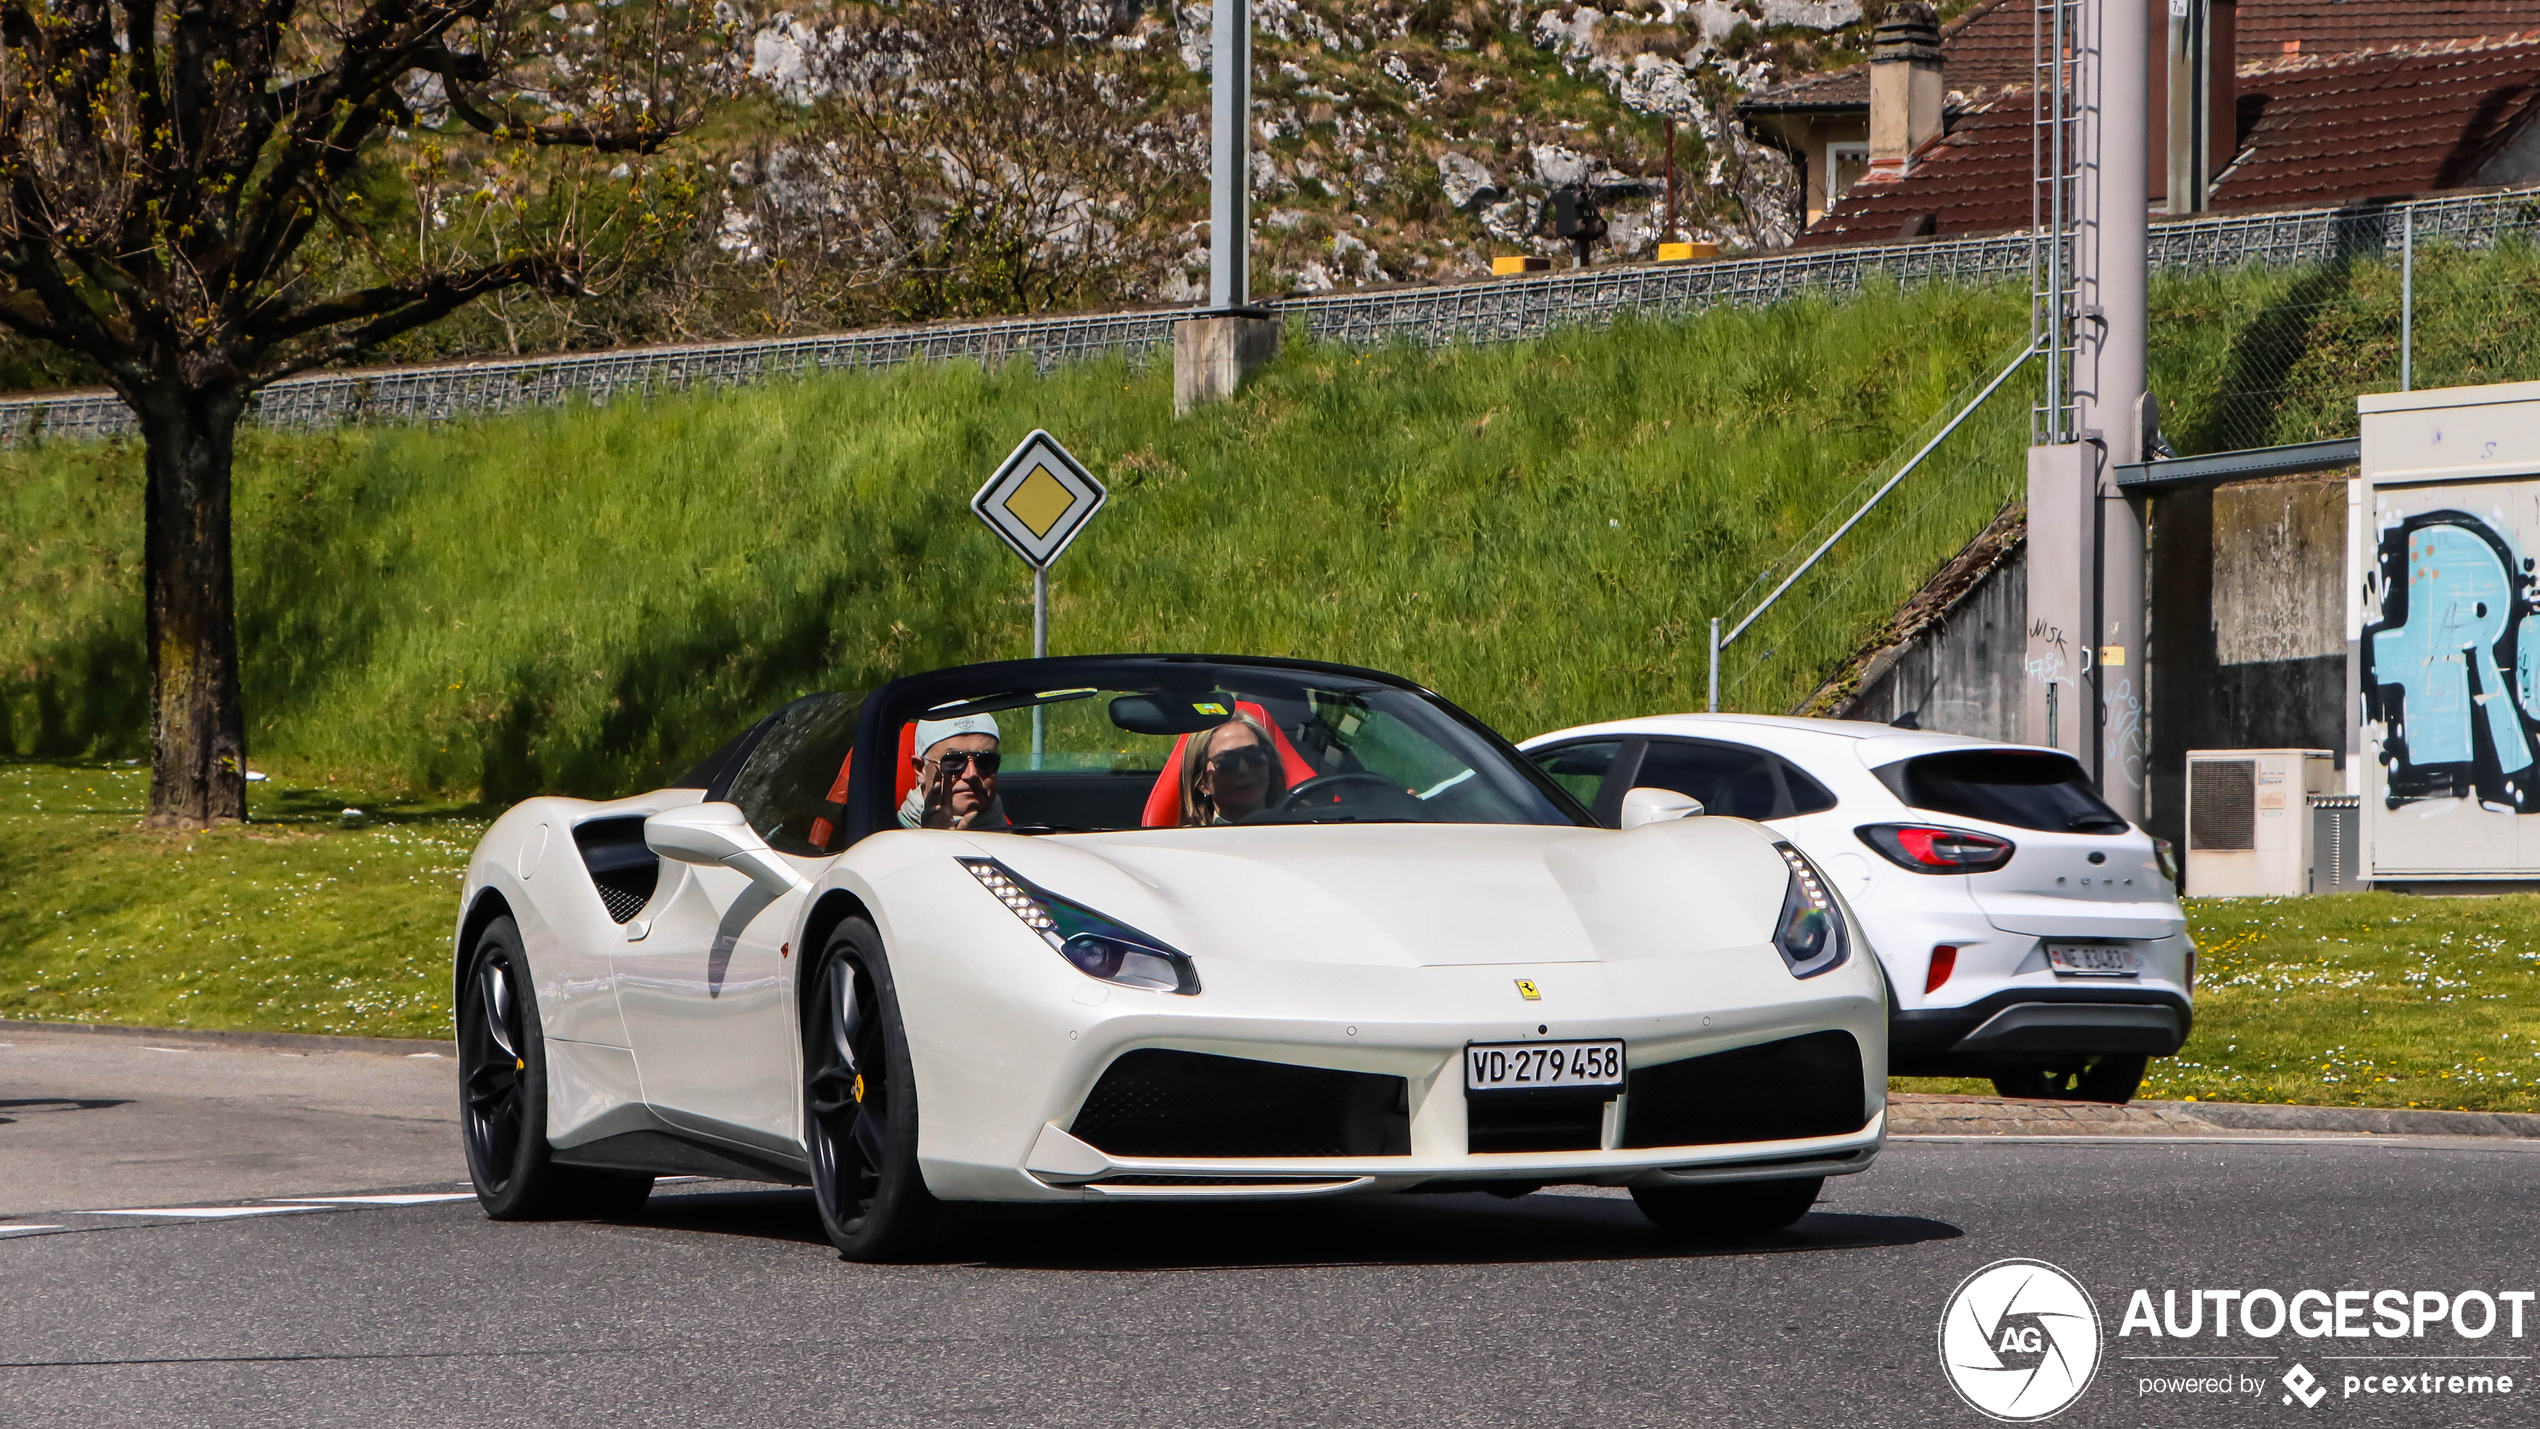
pixel 291 923
pixel 298 924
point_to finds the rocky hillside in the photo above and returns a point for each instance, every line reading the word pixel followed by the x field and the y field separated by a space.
pixel 881 161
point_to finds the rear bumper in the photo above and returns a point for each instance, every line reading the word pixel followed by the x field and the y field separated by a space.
pixel 2027 1026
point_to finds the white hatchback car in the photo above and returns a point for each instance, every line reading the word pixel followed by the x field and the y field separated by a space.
pixel 2029 933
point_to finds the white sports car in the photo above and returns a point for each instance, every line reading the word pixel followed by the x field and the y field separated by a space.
pixel 1147 927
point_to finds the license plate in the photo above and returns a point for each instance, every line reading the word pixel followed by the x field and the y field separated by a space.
pixel 1538 1066
pixel 2091 959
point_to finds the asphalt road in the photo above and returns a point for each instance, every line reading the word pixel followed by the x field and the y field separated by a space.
pixel 722 1305
pixel 91 1119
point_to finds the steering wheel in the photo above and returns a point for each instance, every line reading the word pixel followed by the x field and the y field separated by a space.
pixel 1358 788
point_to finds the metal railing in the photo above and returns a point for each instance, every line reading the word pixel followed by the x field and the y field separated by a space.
pixel 1493 310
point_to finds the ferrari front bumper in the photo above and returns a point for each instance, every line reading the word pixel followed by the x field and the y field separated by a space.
pixel 1060 1161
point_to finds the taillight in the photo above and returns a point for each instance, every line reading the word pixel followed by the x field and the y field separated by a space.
pixel 1926 849
pixel 1944 961
pixel 2167 853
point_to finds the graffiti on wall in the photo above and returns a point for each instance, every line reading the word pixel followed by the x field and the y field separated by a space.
pixel 2451 663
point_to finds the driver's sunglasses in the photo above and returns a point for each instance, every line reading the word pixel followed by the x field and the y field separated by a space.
pixel 981 762
pixel 1247 759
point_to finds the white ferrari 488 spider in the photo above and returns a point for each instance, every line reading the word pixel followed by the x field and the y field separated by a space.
pixel 1147 927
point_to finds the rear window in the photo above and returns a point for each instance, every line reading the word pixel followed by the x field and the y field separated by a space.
pixel 2023 789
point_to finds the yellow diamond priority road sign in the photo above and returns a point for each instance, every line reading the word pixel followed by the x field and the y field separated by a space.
pixel 1039 499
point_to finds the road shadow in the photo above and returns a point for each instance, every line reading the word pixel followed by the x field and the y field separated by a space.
pixel 1465 1228
pixel 13 1107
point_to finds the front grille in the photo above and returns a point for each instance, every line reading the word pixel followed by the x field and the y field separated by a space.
pixel 1533 1121
pixel 1778 1091
pixel 1157 1102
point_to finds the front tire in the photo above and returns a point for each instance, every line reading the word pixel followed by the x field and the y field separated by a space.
pixel 2111 1079
pixel 503 1098
pixel 860 1104
pixel 1736 1208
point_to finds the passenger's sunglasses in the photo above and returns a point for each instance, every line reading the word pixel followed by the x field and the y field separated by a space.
pixel 981 762
pixel 1250 759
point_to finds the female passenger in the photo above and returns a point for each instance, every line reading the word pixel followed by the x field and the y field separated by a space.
pixel 1230 772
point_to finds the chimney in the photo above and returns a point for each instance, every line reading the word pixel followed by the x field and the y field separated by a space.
pixel 1905 88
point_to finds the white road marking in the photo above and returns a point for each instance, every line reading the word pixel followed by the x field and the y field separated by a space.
pixel 209 1213
pixel 167 1049
pixel 424 1198
pixel 25 1230
pixel 426 1057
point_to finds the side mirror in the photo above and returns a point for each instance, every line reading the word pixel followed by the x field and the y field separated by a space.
pixel 1657 806
pixel 719 835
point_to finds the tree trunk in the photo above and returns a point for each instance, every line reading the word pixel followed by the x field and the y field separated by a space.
pixel 198 723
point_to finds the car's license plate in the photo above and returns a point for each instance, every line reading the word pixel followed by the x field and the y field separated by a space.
pixel 2091 959
pixel 1538 1066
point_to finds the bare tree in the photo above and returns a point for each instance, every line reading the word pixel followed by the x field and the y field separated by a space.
pixel 961 157
pixel 203 197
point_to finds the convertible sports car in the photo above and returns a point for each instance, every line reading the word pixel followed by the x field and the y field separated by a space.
pixel 1142 927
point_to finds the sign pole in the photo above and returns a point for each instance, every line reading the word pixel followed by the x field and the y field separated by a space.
pixel 1040 649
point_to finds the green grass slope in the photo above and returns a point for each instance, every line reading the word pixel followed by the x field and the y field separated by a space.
pixel 582 600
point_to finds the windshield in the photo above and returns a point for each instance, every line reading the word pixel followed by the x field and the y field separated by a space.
pixel 1208 746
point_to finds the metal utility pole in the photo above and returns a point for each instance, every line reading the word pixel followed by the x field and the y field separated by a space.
pixel 1230 156
pixel 1670 235
pixel 1215 349
pixel 2087 614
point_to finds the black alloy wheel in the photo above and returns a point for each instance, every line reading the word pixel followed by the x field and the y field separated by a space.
pixel 2113 1079
pixel 1728 1210
pixel 503 1098
pixel 860 1104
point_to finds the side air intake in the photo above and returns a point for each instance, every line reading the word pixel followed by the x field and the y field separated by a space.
pixel 622 868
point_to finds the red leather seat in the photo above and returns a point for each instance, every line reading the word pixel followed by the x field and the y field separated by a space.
pixel 1164 801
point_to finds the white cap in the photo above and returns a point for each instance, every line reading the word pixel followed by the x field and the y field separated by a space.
pixel 931 732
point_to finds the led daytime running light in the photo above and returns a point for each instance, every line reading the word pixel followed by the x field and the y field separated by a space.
pixel 1809 887
pixel 1017 901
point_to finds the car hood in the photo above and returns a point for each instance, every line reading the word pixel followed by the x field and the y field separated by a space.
pixel 1422 894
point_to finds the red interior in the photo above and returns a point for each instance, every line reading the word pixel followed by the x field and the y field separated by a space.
pixel 1164 801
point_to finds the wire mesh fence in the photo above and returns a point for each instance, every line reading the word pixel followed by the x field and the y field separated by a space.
pixel 2261 352
pixel 2345 243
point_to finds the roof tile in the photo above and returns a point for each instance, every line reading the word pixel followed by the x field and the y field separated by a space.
pixel 2374 125
pixel 1974 179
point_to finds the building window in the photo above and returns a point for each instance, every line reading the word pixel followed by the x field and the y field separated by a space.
pixel 1845 164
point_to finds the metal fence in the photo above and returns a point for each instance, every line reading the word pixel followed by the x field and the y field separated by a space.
pixel 2438 293
pixel 1495 310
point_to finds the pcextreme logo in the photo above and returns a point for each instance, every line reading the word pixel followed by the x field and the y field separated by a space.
pixel 2020 1340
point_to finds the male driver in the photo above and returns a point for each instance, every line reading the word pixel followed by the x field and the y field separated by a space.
pixel 956 763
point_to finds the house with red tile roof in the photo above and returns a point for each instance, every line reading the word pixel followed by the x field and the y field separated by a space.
pixel 2304 104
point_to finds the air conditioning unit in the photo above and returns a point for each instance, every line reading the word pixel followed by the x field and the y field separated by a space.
pixel 2249 820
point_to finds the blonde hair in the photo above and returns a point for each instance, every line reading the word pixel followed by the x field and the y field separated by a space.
pixel 1198 809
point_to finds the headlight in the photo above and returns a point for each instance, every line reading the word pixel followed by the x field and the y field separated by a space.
pixel 1810 931
pixel 1097 946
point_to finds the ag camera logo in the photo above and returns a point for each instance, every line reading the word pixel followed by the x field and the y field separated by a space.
pixel 2020 1341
